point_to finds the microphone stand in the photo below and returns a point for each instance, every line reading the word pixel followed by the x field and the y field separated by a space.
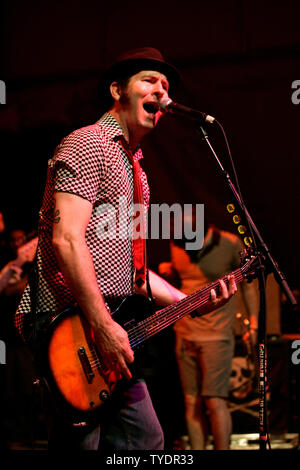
pixel 262 253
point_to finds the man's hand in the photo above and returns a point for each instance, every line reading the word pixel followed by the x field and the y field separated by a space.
pixel 218 301
pixel 113 345
pixel 16 273
pixel 10 274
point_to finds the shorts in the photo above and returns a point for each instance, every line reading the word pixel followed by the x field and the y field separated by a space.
pixel 205 366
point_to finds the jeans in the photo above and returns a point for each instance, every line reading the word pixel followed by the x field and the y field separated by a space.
pixel 126 422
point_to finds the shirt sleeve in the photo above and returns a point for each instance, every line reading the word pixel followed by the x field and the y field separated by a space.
pixel 78 165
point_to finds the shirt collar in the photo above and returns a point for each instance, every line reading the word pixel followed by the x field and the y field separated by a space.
pixel 116 133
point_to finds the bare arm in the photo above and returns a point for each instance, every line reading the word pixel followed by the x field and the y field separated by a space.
pixel 166 294
pixel 10 273
pixel 72 215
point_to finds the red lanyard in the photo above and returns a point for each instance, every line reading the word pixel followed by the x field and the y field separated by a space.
pixel 139 239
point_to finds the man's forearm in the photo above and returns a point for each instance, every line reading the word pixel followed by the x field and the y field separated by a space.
pixel 77 267
pixel 163 292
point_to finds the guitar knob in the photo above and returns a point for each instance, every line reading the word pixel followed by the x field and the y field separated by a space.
pixel 104 395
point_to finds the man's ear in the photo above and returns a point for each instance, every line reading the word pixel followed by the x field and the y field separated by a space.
pixel 115 90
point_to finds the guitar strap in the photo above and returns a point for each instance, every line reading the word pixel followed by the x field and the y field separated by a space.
pixel 150 296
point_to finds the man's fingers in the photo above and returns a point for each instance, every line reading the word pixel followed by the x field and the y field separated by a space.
pixel 129 356
pixel 118 364
pixel 225 292
pixel 125 370
pixel 232 287
pixel 223 295
pixel 213 296
pixel 119 367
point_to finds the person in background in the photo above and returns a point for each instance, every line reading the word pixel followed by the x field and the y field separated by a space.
pixel 19 373
pixel 205 344
pixel 10 271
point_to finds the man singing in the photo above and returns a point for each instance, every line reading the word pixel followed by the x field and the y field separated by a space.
pixel 92 168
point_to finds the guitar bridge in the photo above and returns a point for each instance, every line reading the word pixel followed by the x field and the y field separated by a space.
pixel 86 364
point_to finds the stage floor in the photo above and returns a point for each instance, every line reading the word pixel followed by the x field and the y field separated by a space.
pixel 238 442
pixel 250 442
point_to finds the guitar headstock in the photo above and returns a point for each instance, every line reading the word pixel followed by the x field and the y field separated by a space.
pixel 250 264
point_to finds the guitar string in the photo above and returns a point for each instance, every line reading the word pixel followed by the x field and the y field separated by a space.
pixel 141 328
pixel 163 322
pixel 192 304
pixel 139 333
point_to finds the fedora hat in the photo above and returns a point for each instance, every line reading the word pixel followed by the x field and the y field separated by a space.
pixel 135 60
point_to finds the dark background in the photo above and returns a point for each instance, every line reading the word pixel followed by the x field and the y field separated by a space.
pixel 238 60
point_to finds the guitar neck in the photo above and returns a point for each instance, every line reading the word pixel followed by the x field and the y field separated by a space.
pixel 171 314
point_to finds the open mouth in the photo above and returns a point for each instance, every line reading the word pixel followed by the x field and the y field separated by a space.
pixel 151 107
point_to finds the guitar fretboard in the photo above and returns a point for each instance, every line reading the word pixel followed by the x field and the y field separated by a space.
pixel 169 315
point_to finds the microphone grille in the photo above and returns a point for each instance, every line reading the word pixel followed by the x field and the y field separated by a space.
pixel 164 103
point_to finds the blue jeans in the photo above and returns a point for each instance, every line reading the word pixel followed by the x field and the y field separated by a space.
pixel 126 422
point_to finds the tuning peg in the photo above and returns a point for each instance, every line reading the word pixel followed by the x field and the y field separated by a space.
pixel 236 219
pixel 242 229
pixel 248 241
pixel 230 208
pixel 243 253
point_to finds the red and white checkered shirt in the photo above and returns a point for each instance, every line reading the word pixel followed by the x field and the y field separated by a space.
pixel 91 163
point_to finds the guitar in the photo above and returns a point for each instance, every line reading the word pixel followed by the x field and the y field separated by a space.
pixel 75 368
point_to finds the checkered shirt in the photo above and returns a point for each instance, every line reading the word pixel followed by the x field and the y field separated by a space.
pixel 91 163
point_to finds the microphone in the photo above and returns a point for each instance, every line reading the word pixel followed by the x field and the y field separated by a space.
pixel 166 105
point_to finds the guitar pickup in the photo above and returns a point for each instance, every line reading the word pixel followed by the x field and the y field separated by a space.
pixel 86 364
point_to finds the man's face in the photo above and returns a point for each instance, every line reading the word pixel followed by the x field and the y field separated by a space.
pixel 139 101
